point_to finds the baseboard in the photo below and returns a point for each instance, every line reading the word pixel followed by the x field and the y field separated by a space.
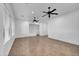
pixel 21 36
pixel 7 46
pixel 58 39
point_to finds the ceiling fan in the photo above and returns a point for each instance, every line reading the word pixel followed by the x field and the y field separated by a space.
pixel 49 13
pixel 35 20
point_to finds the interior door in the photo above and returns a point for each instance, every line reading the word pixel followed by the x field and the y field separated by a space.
pixel 33 29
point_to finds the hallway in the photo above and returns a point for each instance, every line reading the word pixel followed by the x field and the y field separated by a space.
pixel 42 46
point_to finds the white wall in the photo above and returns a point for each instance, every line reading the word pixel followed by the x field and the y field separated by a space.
pixel 25 29
pixel 22 28
pixel 9 36
pixel 1 30
pixel 65 28
pixel 43 29
pixel 6 29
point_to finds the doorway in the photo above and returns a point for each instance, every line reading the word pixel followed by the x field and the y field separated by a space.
pixel 34 29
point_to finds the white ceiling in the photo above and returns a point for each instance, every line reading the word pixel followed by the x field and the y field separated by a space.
pixel 26 11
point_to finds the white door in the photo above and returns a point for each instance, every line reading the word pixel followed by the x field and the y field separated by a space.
pixel 33 29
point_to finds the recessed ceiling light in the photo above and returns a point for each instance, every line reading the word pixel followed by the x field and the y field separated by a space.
pixel 32 12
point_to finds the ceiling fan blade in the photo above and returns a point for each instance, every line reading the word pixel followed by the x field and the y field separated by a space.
pixel 53 10
pixel 44 15
pixel 49 15
pixel 44 12
pixel 54 13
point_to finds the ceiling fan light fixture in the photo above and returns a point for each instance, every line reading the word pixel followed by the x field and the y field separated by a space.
pixel 50 12
pixel 49 7
pixel 35 22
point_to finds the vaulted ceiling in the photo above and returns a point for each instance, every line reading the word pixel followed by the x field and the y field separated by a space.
pixel 26 11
